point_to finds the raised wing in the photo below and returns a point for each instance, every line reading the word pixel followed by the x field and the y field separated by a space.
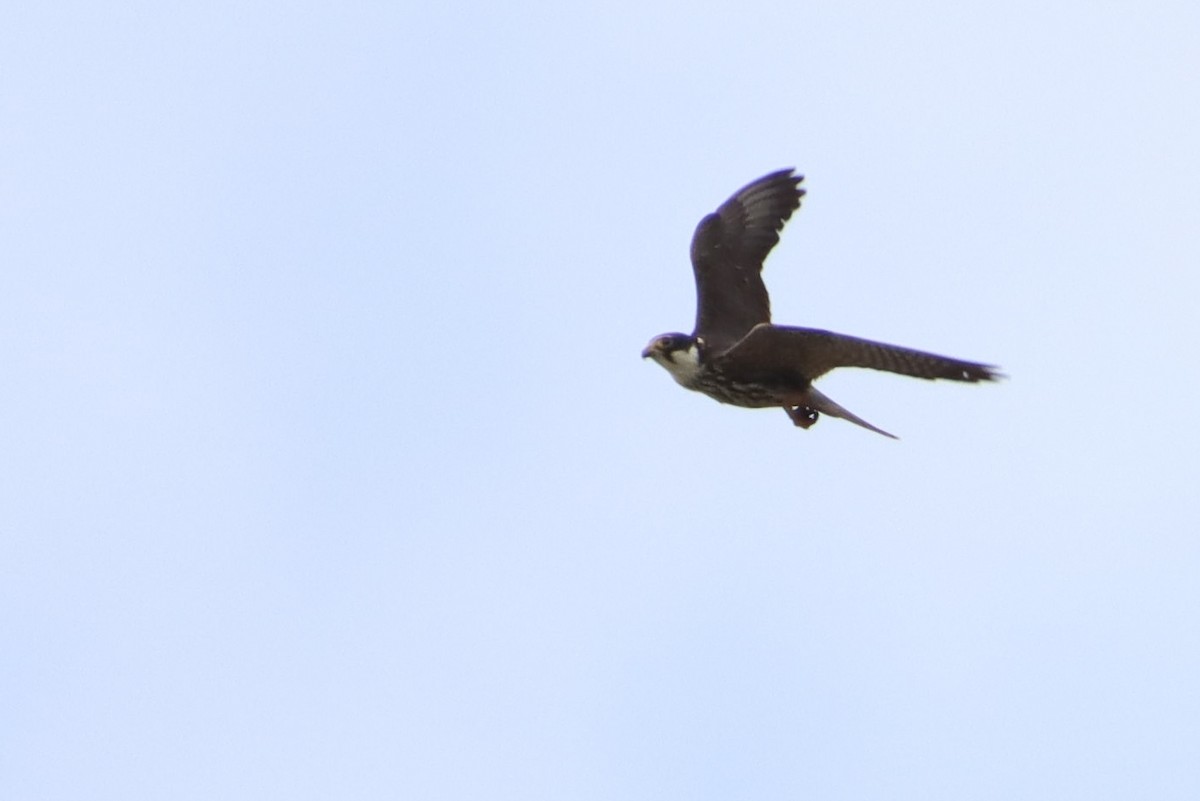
pixel 728 249
pixel 771 350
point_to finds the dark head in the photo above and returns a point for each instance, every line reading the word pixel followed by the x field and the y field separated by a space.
pixel 679 355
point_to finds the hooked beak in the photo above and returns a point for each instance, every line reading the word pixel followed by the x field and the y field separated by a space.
pixel 646 351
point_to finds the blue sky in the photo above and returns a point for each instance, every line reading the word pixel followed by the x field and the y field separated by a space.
pixel 331 469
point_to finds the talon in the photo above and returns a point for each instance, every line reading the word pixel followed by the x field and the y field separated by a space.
pixel 802 416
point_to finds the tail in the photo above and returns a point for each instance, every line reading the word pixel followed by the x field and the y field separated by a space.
pixel 819 402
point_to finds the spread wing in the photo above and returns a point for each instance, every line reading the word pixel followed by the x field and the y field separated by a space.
pixel 773 350
pixel 728 249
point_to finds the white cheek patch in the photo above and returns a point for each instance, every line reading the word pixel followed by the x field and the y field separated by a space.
pixel 684 365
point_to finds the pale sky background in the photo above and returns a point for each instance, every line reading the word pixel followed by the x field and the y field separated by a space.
pixel 330 469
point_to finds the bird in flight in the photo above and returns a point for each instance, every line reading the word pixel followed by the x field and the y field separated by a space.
pixel 737 355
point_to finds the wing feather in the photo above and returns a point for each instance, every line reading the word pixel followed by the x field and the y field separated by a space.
pixel 728 250
pixel 812 352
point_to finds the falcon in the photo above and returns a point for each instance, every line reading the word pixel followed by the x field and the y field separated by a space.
pixel 736 355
